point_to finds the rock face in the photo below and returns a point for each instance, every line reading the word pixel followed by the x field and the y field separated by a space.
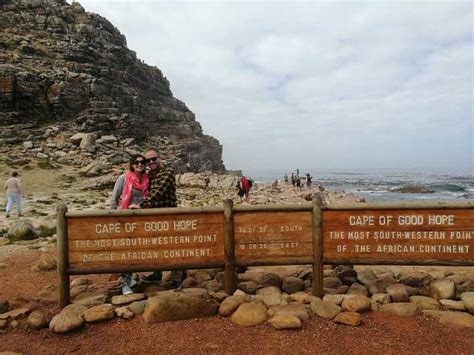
pixel 60 63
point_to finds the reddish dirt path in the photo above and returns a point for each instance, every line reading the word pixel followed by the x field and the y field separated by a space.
pixel 379 333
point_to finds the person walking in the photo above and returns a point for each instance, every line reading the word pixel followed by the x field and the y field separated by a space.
pixel 129 190
pixel 162 190
pixel 245 185
pixel 309 180
pixel 13 189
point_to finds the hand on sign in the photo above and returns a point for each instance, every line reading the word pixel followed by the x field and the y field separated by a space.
pixel 133 206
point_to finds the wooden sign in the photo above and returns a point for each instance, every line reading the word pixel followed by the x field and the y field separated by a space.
pixel 268 235
pixel 145 240
pixel 418 234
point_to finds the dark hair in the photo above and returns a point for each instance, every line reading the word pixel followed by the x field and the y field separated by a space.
pixel 132 159
pixel 14 174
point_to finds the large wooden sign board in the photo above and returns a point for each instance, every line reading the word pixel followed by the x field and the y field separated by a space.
pixel 146 241
pixel 423 234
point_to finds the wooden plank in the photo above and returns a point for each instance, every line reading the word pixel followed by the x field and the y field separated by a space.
pixel 432 262
pixel 144 212
pixel 230 283
pixel 63 264
pixel 401 205
pixel 318 272
pixel 270 235
pixel 409 235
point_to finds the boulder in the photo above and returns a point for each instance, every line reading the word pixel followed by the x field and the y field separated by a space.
pixel 364 276
pixel 124 312
pixel 378 300
pixel 356 303
pixel 137 307
pixel 90 299
pixel 127 299
pixel 336 299
pixel 297 310
pixel 38 320
pixel 424 302
pixel 401 309
pixel 357 289
pixel 285 321
pixel 249 287
pixel 269 290
pixel 271 279
pixel 332 282
pixel 398 293
pixel 230 304
pixel 348 318
pixel 178 306
pixel 70 318
pixel 452 305
pixel 325 310
pixel 443 289
pixel 46 262
pixel 380 285
pixel 468 299
pixel 292 284
pixel 301 297
pixel 457 319
pixel 22 230
pixel 271 300
pixel 99 313
pixel 4 306
pixel 249 314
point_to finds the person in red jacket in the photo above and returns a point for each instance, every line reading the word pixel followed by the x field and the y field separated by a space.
pixel 245 185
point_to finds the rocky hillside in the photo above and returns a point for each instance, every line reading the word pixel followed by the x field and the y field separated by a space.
pixel 64 67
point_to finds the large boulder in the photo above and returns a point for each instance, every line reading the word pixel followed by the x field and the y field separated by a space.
pixel 22 230
pixel 178 306
pixel 292 284
pixel 398 293
pixel 325 310
pixel 356 303
pixel 285 321
pixel 424 302
pixel 99 313
pixel 457 319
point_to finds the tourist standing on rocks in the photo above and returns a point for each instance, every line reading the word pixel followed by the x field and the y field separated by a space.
pixel 129 190
pixel 245 185
pixel 162 194
pixel 309 180
pixel 13 189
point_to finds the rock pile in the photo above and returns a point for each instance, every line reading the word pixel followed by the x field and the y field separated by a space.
pixel 280 297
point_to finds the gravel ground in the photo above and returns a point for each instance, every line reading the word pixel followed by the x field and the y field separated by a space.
pixel 379 333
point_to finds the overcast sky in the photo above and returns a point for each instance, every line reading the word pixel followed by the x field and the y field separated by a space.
pixel 316 85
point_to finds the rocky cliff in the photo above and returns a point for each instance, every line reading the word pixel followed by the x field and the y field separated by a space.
pixel 64 67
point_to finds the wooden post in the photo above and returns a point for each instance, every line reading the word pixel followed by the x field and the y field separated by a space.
pixel 229 247
pixel 63 262
pixel 318 274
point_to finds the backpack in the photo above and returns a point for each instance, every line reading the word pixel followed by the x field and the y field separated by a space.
pixel 250 182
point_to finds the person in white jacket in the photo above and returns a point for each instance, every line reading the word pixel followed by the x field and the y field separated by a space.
pixel 13 188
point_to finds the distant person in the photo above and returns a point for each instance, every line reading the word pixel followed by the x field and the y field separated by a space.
pixel 297 172
pixel 162 194
pixel 129 190
pixel 293 179
pixel 286 178
pixel 246 184
pixel 298 182
pixel 309 180
pixel 240 192
pixel 13 189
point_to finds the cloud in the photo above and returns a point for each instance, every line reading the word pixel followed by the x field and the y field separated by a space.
pixel 345 84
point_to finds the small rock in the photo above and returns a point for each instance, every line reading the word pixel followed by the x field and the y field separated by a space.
pixel 452 305
pixel 3 324
pixel 4 306
pixel 249 314
pixel 99 313
pixel 336 299
pixel 271 279
pixel 90 299
pixel 423 302
pixel 282 321
pixel 301 297
pixel 126 299
pixel 38 320
pixel 230 304
pixel 443 289
pixel 297 310
pixel 46 262
pixel 468 299
pixel 249 287
pixel 124 312
pixel 292 285
pixel 357 289
pixel 348 318
pixel 325 310
pixel 137 307
pixel 457 319
pixel 398 293
pixel 400 309
pixel 356 303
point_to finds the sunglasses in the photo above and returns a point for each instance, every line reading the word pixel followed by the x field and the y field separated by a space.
pixel 154 159
pixel 137 162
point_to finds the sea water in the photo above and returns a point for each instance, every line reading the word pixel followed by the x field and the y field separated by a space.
pixel 382 184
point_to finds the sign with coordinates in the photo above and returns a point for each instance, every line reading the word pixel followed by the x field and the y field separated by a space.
pixel 160 240
pixel 267 235
pixel 399 234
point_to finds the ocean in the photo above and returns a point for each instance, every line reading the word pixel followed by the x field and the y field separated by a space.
pixel 384 185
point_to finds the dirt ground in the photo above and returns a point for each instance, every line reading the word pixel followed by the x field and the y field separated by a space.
pixel 379 333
